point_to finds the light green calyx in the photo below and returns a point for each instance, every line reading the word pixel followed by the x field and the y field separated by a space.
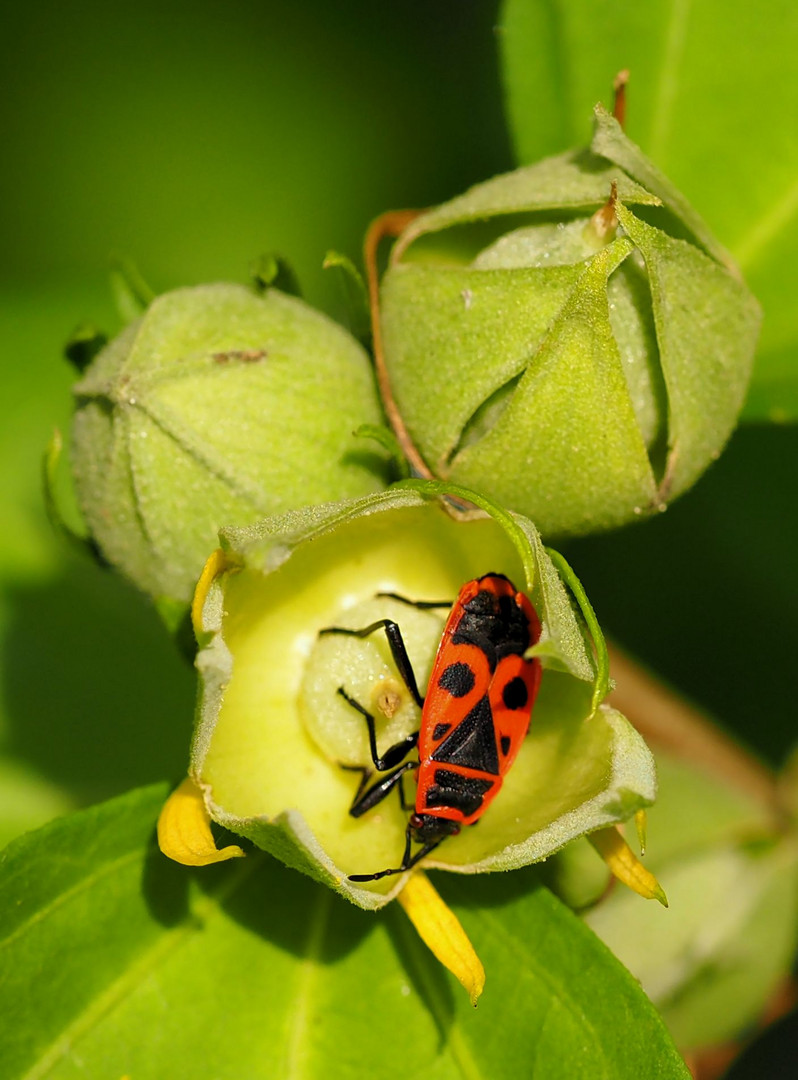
pixel 569 338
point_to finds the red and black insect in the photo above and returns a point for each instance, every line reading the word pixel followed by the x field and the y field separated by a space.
pixel 474 718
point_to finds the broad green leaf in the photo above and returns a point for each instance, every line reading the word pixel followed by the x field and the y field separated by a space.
pixel 732 883
pixel 711 99
pixel 730 939
pixel 118 963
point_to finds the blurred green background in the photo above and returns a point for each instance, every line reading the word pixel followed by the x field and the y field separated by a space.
pixel 191 137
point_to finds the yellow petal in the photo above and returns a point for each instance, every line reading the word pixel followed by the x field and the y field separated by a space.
pixel 440 929
pixel 625 865
pixel 641 823
pixel 217 562
pixel 184 829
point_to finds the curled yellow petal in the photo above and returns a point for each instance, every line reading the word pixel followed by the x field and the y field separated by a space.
pixel 217 562
pixel 440 929
pixel 625 865
pixel 184 829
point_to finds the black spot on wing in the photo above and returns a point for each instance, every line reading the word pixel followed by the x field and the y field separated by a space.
pixel 463 793
pixel 515 694
pixel 439 731
pixel 473 742
pixel 505 741
pixel 458 679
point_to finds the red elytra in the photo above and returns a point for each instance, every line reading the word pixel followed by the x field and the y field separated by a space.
pixel 474 718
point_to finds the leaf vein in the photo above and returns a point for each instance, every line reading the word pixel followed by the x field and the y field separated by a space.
pixel 69 894
pixel 667 89
pixel 202 911
pixel 765 230
pixel 558 993
pixel 297 1051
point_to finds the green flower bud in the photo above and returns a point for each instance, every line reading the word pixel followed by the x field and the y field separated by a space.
pixel 568 338
pixel 279 753
pixel 216 407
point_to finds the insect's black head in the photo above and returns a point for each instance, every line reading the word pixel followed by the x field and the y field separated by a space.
pixel 426 829
pixel 496 624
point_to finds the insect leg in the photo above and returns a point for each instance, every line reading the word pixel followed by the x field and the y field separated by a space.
pixel 365 800
pixel 394 754
pixel 365 775
pixel 402 800
pixel 423 605
pixel 407 862
pixel 397 646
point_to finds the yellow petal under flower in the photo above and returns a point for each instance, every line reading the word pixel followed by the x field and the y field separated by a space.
pixel 641 824
pixel 216 562
pixel 440 929
pixel 625 865
pixel 184 829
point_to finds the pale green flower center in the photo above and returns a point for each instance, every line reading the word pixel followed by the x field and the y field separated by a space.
pixel 365 670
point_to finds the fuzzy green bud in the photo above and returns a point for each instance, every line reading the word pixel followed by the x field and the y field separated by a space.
pixel 569 338
pixel 214 408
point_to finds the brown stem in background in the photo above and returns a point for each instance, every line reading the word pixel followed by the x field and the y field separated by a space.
pixel 669 722
pixel 391 223
pixel 619 102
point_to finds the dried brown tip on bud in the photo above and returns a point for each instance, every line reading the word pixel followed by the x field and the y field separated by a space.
pixel 619 101
pixel 605 220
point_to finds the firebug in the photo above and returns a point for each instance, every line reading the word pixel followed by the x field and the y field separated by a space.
pixel 474 717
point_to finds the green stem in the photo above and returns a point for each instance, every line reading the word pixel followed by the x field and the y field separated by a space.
pixel 602 684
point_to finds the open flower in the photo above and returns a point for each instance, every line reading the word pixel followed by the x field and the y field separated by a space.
pixel 279 750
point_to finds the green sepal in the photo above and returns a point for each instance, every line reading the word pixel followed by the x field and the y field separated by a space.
pixel 355 293
pixel 611 143
pixel 388 441
pixel 51 460
pixel 270 271
pixel 131 293
pixel 83 344
pixel 696 303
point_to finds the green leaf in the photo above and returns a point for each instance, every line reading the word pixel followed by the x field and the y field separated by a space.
pixel 116 962
pixel 730 939
pixel 703 104
pixel 732 882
